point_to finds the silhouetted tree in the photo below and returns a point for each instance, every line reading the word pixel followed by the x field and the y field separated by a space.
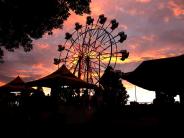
pixel 21 21
pixel 114 91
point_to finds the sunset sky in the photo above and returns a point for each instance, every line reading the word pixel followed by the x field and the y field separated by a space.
pixel 155 29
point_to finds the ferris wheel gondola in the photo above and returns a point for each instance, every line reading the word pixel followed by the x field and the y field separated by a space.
pixel 89 50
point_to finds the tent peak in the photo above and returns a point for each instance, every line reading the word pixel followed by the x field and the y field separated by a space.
pixel 17 81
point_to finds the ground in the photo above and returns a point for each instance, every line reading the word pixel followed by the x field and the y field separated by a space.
pixel 75 120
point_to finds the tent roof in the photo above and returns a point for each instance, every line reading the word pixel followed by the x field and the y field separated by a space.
pixel 62 71
pixel 60 76
pixel 159 75
pixel 16 81
pixel 16 84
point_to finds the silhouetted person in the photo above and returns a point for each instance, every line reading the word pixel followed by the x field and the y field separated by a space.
pixel 181 98
pixel 163 98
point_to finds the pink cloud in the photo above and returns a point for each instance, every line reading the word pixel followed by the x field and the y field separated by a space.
pixel 150 37
pixel 166 19
pixel 143 1
pixel 151 25
pixel 177 8
pixel 41 69
pixel 43 46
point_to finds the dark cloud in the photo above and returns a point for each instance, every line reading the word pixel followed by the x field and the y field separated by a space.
pixel 5 78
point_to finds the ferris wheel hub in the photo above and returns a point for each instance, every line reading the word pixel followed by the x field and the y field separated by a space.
pixel 90 49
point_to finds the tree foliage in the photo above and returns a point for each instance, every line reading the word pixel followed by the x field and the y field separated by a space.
pixel 21 21
pixel 115 92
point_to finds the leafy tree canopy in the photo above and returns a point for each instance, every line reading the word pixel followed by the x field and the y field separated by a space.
pixel 21 21
pixel 115 92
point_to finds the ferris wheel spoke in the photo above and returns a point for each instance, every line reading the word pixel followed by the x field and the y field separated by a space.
pixel 95 68
pixel 104 49
pixel 104 58
pixel 83 46
pixel 102 26
pixel 81 33
pixel 71 60
pixel 103 65
pixel 96 25
pixel 76 67
pixel 113 38
pixel 96 78
pixel 97 63
pixel 89 41
pixel 76 49
pixel 95 72
pixel 70 50
pixel 71 63
pixel 85 70
pixel 78 39
pixel 106 36
pixel 101 48
pixel 101 56
pixel 104 32
pixel 91 48
pixel 74 42
pixel 78 71
pixel 73 52
pixel 96 29
pixel 72 56
pixel 97 37
pixel 72 68
pixel 73 45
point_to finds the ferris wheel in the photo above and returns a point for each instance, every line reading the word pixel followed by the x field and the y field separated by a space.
pixel 91 48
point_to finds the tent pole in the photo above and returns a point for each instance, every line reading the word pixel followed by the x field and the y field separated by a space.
pixel 135 94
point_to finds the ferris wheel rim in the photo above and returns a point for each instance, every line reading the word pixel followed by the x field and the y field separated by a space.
pixel 92 29
pixel 91 48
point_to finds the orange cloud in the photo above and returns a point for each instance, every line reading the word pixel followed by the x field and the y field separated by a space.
pixel 143 1
pixel 24 76
pixel 150 37
pixel 56 32
pixel 135 12
pixel 21 71
pixel 97 8
pixel 2 83
pixel 176 8
pixel 69 25
pixel 41 69
pixel 43 46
